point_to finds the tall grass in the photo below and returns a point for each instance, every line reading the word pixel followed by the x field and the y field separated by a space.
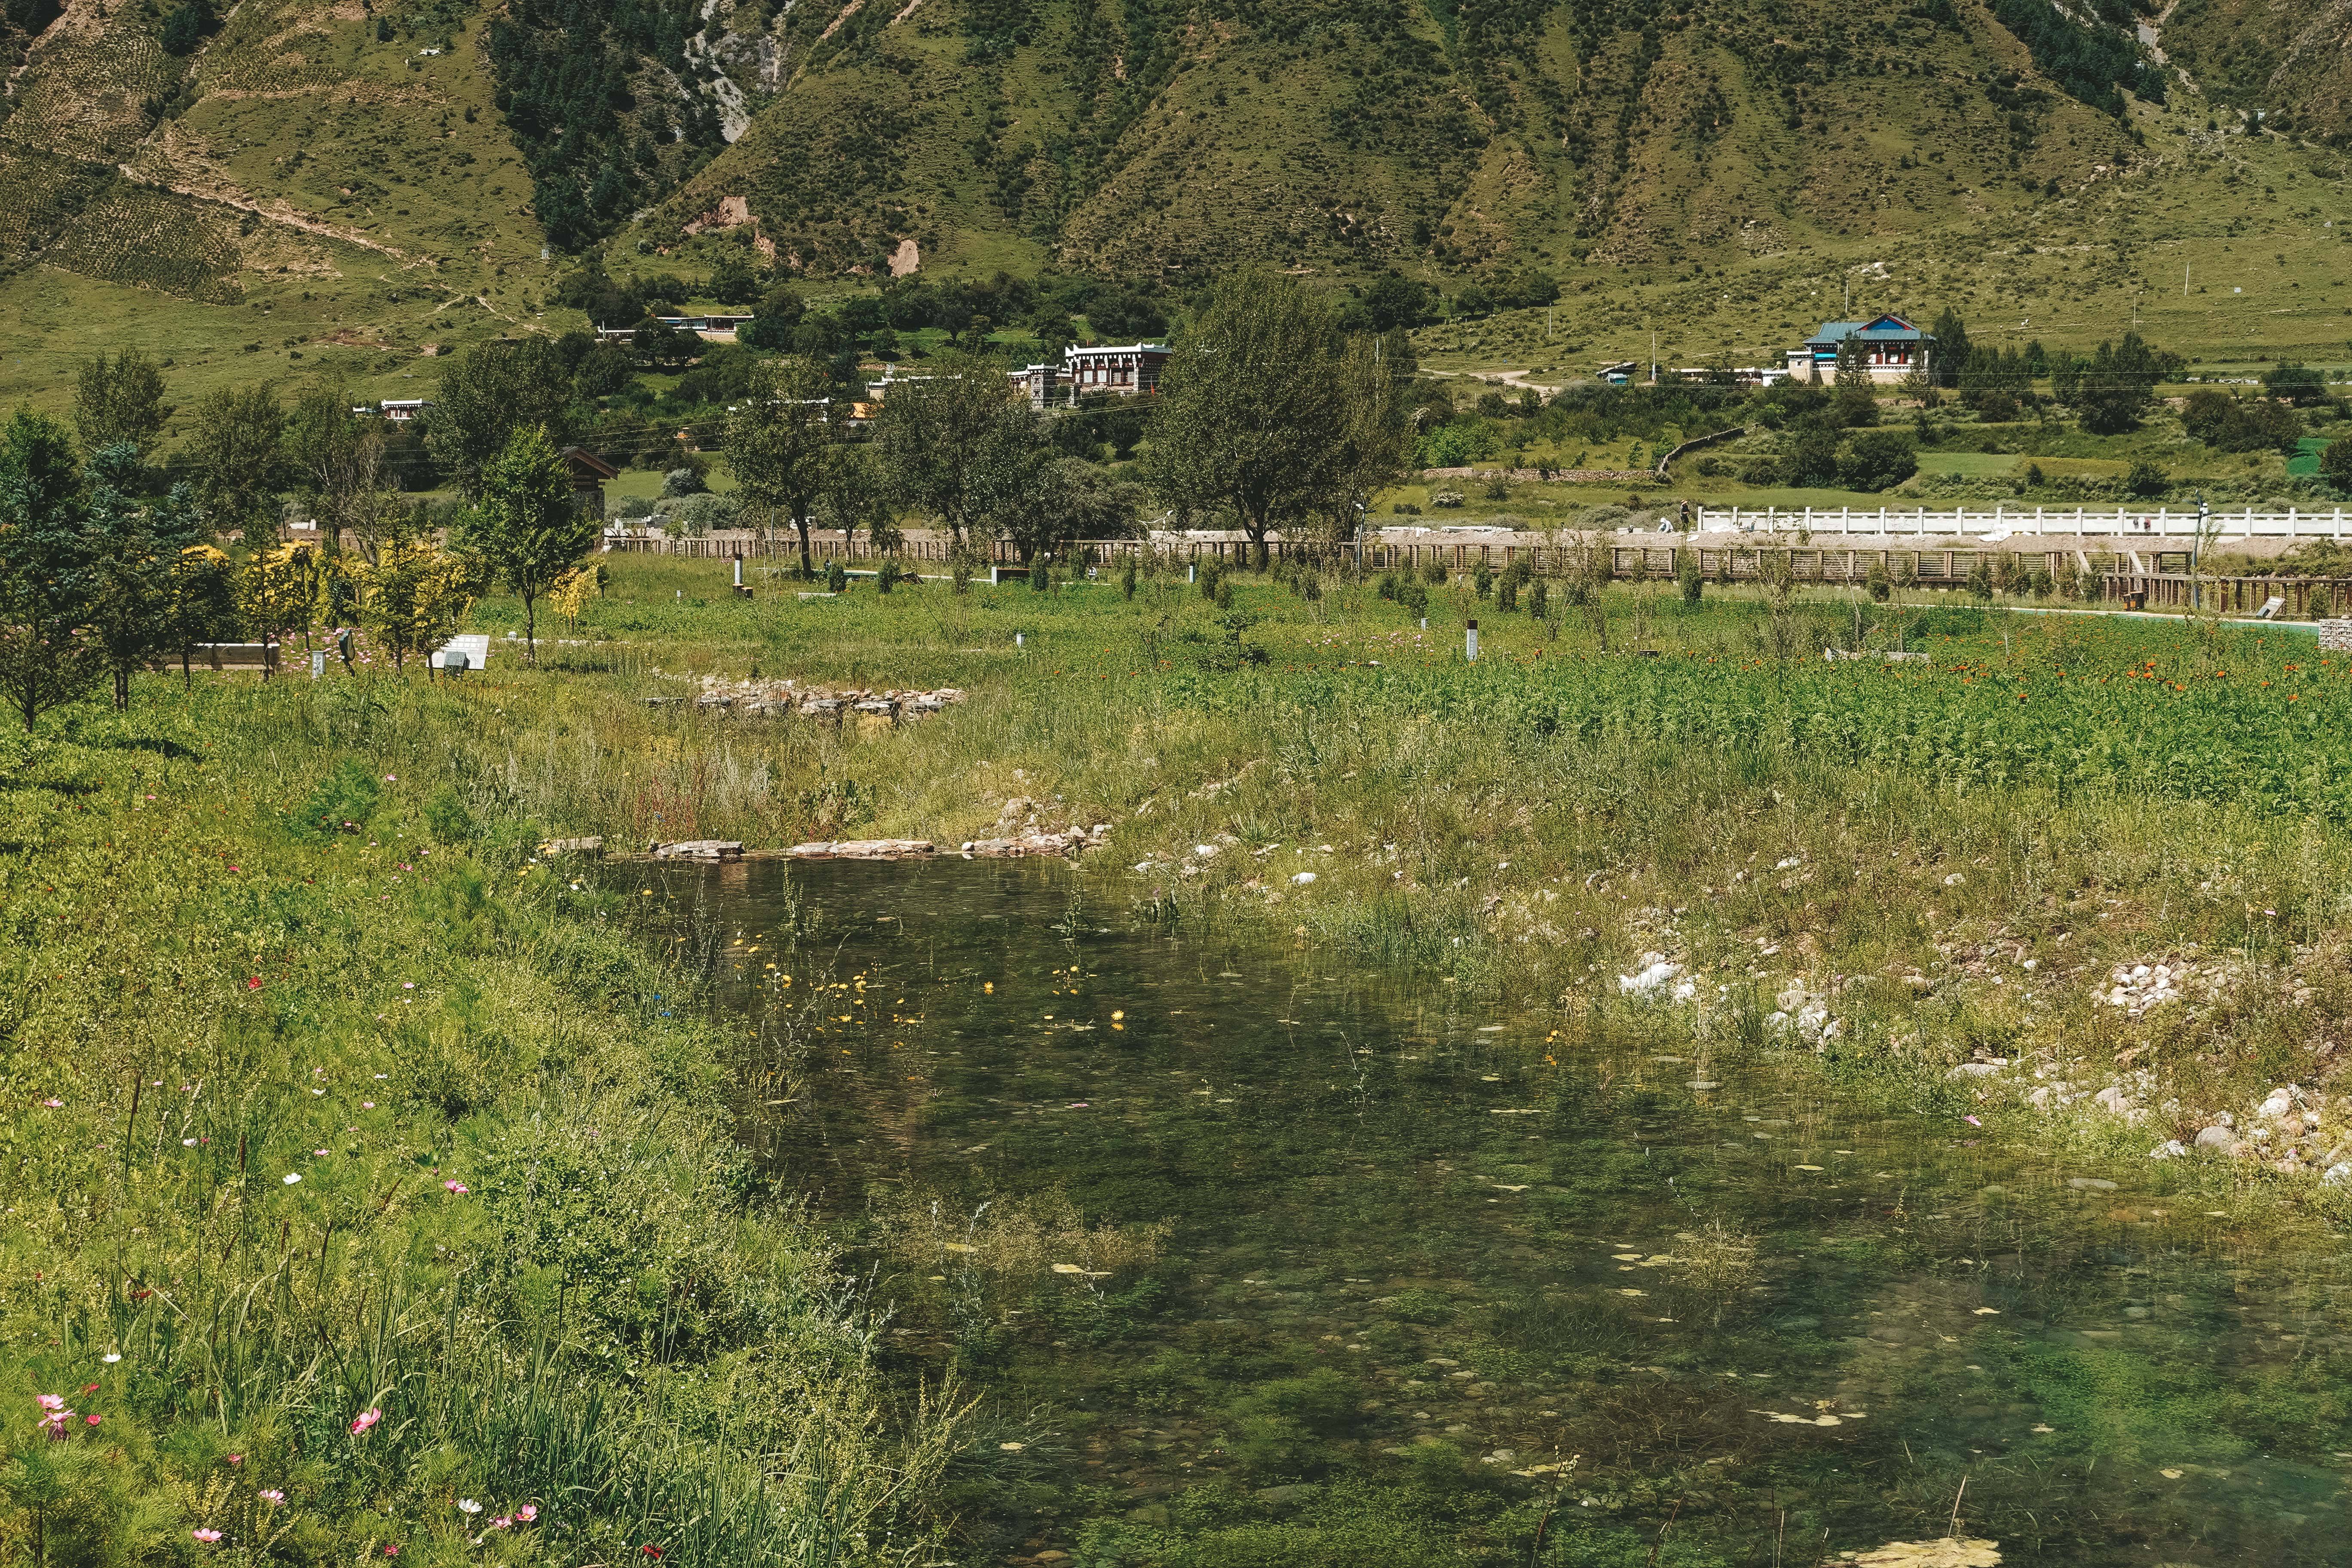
pixel 391 1119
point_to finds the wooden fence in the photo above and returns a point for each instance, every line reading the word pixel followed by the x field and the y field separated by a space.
pixel 2160 576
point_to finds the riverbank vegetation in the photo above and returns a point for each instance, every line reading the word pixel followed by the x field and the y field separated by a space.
pixel 373 1189
pixel 1907 865
pixel 232 907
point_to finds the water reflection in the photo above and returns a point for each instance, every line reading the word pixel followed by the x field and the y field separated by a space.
pixel 1261 1260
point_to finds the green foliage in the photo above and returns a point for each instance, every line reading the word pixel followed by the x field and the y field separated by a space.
pixel 1878 460
pixel 344 800
pixel 2113 386
pixel 1263 415
pixel 2093 59
pixel 239 454
pixel 491 394
pixel 527 530
pixel 2240 425
pixel 50 570
pixel 119 399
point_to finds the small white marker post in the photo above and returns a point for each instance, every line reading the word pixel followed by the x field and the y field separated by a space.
pixel 739 570
pixel 1470 641
pixel 1017 639
pixel 318 664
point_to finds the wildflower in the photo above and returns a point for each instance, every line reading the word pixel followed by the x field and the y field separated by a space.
pixel 290 1178
pixel 468 1505
pixel 457 1187
pixel 111 1357
pixel 236 1458
pixel 365 1419
pixel 392 778
pixel 367 1105
pixel 322 1153
pixel 650 1550
pixel 89 1388
pixel 92 1420
pixel 272 1496
pixel 526 1512
pixel 253 983
pixel 206 1536
pixel 391 1550
pixel 53 1104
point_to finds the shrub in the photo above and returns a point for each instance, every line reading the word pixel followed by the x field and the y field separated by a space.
pixel 1688 577
pixel 1413 597
pixel 1879 582
pixel 1434 574
pixel 1538 599
pixel 1126 576
pixel 1482 581
pixel 343 802
pixel 1445 501
pixel 837 577
pixel 1980 580
pixel 2145 480
pixel 683 482
pixel 1876 459
pixel 447 818
pixel 887 578
pixel 1041 574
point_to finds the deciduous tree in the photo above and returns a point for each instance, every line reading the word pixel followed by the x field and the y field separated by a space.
pixel 1249 414
pixel 237 448
pixel 526 529
pixel 780 439
pixel 138 549
pixel 959 444
pixel 119 399
pixel 488 393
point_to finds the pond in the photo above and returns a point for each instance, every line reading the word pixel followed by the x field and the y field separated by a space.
pixel 1253 1257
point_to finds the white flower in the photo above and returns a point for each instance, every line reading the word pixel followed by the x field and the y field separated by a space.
pixel 290 1178
pixel 111 1357
pixel 468 1505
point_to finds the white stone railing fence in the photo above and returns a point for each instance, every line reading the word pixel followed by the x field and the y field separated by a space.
pixel 2119 522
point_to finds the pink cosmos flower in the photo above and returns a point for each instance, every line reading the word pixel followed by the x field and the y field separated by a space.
pixel 526 1512
pixel 92 1420
pixel 461 1188
pixel 253 983
pixel 53 1104
pixel 365 1419
pixel 272 1496
pixel 206 1536
pixel 390 1551
pixel 50 1402
pixel 236 1458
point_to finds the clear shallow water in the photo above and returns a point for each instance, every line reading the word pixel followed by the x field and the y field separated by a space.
pixel 1353 1274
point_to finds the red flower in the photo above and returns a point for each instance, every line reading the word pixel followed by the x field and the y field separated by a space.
pixel 651 1550
pixel 253 983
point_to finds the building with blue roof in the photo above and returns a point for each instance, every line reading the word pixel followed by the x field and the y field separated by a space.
pixel 1891 348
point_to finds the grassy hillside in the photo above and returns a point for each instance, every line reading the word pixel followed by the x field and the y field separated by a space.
pixel 298 189
pixel 302 184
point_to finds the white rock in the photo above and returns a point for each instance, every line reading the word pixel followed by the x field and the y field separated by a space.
pixel 1955 880
pixel 1205 851
pixel 2171 1149
pixel 1303 877
pixel 1648 981
pixel 2336 1176
pixel 2277 1105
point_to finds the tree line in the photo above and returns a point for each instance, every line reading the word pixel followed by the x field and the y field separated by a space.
pixel 1268 417
pixel 108 566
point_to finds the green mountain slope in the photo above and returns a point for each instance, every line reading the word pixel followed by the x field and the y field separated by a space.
pixel 286 183
pixel 1142 138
